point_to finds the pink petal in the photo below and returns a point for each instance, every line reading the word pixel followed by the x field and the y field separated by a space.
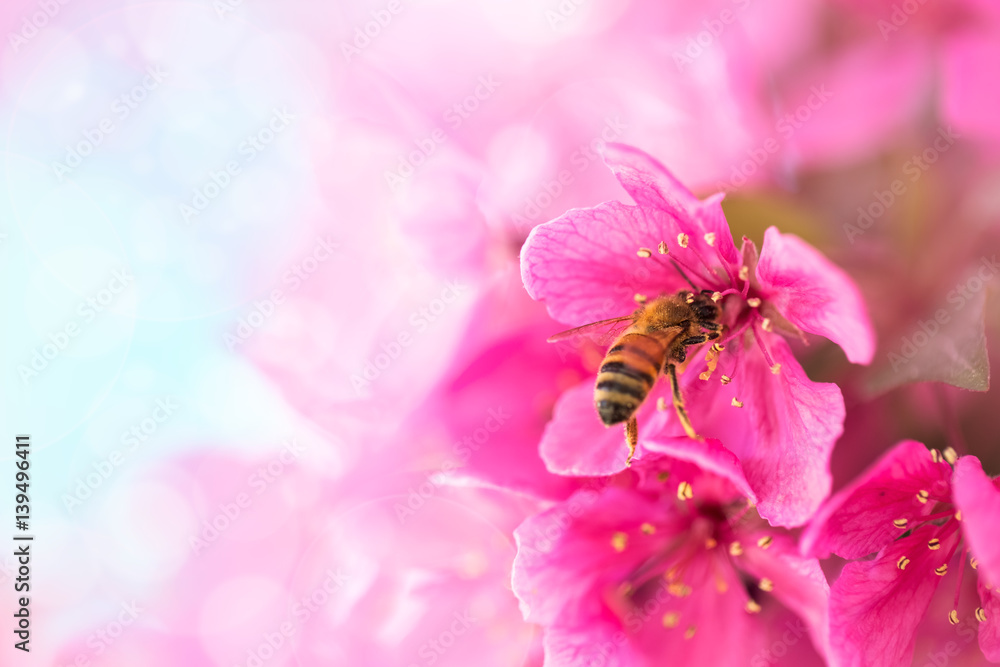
pixel 858 520
pixel 783 435
pixel 799 583
pixel 989 630
pixel 979 499
pixel 875 607
pixel 708 456
pixel 565 555
pixel 851 105
pixel 657 192
pixel 814 294
pixel 600 642
pixel 576 442
pixel 970 97
pixel 584 265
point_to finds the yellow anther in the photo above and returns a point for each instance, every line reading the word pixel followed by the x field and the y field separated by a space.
pixel 899 523
pixel 682 240
pixel 661 404
pixel 619 541
pixel 716 297
pixel 689 298
pixel 753 607
pixel 710 238
pixel 644 252
pixel 735 549
pixel 902 562
pixel 765 541
pixel 974 563
pixel 934 544
pixel 679 589
pixel 980 614
pixel 711 543
pixel 753 302
pixel 662 248
pixel 953 617
pixel 640 298
pixel 718 347
pixel 671 619
pixel 766 585
pixel 941 571
pixel 689 633
pixel 725 379
pixel 958 515
pixel 737 404
pixel 950 455
pixel 775 369
pixel 766 324
pixel 935 456
pixel 707 375
pixel 922 496
pixel 684 491
pixel 648 528
pixel 744 272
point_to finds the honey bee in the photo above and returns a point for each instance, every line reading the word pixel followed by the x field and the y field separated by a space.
pixel 651 340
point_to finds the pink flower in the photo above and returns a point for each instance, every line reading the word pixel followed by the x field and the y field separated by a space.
pixel 920 517
pixel 664 560
pixel 590 264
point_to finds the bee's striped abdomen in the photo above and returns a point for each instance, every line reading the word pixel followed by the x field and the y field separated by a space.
pixel 626 376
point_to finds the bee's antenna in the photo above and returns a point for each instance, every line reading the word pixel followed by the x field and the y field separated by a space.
pixel 683 275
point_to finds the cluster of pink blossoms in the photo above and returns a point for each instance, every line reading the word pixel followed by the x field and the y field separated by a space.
pixel 688 550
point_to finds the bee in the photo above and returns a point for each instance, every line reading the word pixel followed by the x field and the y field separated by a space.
pixel 651 340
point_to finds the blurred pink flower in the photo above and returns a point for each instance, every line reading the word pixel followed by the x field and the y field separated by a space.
pixel 664 560
pixel 589 264
pixel 917 514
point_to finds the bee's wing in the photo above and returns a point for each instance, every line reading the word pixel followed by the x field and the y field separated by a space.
pixel 604 331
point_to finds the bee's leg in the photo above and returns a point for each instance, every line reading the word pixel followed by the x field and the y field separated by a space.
pixel 675 390
pixel 694 340
pixel 631 438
